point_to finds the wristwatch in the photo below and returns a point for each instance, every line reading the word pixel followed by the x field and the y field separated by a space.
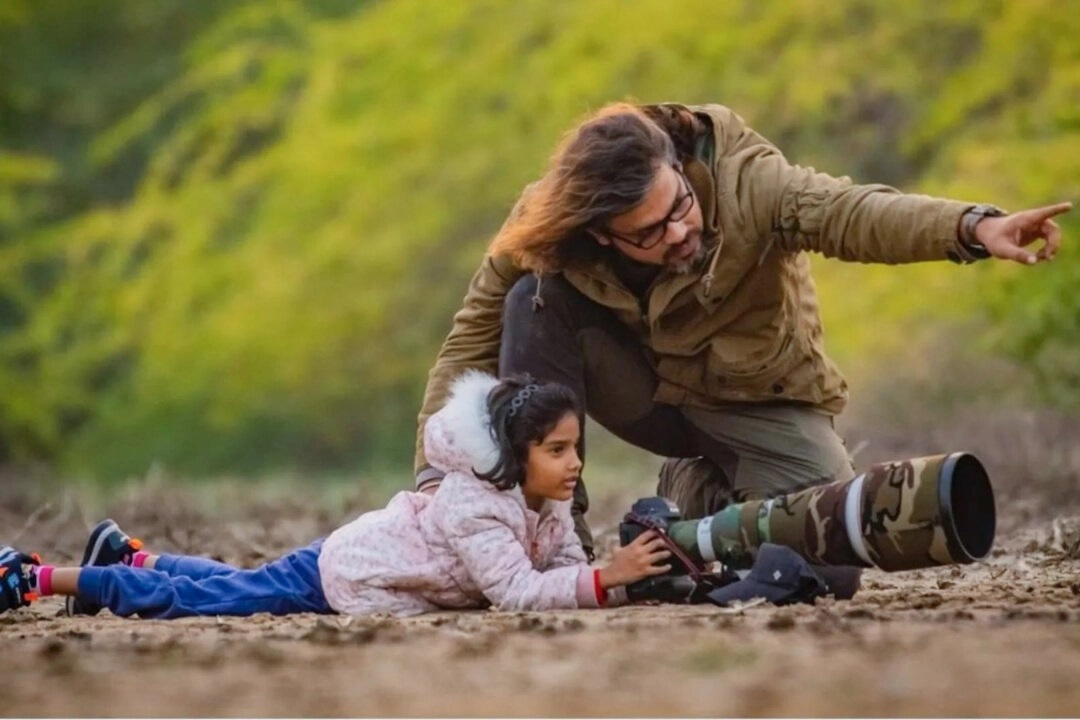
pixel 968 221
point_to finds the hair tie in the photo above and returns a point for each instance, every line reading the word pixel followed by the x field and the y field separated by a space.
pixel 521 397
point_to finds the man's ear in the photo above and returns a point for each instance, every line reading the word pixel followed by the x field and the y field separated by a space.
pixel 599 238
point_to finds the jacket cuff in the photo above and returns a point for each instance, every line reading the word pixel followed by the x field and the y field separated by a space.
pixel 588 590
pixel 429 477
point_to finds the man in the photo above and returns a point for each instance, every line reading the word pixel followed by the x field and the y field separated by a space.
pixel 659 269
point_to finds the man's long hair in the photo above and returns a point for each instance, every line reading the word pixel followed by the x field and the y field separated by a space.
pixel 601 169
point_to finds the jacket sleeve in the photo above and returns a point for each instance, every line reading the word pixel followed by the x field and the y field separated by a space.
pixel 473 343
pixel 801 209
pixel 497 562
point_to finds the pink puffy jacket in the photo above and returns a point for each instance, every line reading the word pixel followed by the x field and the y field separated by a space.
pixel 468 546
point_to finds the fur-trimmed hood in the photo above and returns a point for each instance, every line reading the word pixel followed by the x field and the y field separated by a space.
pixel 459 437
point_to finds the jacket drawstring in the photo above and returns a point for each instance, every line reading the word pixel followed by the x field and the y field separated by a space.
pixel 709 276
pixel 768 247
pixel 537 301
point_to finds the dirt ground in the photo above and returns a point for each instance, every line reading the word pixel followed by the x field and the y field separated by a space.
pixel 1000 638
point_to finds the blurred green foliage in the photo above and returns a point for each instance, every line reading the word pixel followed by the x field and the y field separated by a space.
pixel 232 235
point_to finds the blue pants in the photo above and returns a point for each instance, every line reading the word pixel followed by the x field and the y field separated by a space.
pixel 182 586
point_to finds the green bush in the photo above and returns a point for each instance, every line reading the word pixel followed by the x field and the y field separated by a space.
pixel 234 234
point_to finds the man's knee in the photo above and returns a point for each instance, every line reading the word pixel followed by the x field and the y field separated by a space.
pixel 520 295
pixel 538 333
pixel 779 449
pixel 533 293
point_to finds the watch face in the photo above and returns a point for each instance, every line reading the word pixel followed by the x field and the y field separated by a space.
pixel 987 211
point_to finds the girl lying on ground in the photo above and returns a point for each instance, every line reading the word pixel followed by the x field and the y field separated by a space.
pixel 498 532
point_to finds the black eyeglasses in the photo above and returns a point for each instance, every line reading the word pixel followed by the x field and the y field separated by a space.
pixel 648 237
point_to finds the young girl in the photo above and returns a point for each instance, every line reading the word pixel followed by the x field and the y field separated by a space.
pixel 497 532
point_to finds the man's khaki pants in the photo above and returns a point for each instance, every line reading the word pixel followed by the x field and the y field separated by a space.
pixel 753 451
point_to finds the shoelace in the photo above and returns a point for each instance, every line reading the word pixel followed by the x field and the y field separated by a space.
pixel 30 597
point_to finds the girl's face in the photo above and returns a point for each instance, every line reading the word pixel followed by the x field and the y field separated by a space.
pixel 553 467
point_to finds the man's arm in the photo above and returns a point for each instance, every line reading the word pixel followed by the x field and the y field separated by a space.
pixel 473 342
pixel 802 209
pixel 878 223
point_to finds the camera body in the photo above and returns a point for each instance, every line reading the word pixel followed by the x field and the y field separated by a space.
pixel 655 513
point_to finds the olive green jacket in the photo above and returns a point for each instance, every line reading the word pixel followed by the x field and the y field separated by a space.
pixel 746 326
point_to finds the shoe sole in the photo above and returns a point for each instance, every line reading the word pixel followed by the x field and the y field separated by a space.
pixel 93 550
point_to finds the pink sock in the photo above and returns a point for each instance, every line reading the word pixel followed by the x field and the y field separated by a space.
pixel 44 579
pixel 139 558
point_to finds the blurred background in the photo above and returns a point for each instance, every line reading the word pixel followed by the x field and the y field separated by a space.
pixel 233 234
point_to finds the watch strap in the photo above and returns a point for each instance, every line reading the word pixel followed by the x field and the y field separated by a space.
pixel 971 248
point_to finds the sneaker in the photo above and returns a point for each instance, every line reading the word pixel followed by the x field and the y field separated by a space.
pixel 108 545
pixel 17 582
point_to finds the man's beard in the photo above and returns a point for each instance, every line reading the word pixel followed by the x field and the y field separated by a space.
pixel 682 267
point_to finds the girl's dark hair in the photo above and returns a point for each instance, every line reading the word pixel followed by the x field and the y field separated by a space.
pixel 523 411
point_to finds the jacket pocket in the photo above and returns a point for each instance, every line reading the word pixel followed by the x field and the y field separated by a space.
pixel 742 369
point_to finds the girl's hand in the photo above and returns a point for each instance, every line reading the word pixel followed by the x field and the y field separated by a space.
pixel 636 561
